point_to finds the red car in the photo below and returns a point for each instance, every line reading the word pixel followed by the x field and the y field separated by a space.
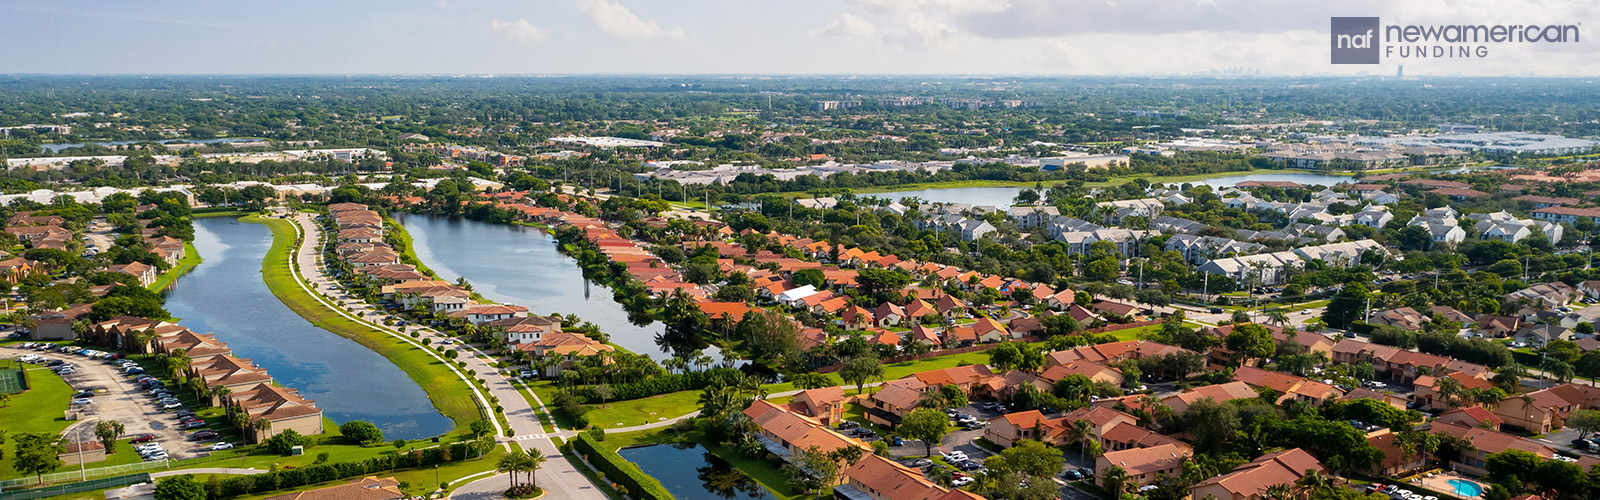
pixel 143 438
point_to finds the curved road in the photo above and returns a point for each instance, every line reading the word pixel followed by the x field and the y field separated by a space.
pixel 557 477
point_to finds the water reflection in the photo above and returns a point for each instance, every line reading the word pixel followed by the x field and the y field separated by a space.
pixel 713 478
pixel 226 296
pixel 521 265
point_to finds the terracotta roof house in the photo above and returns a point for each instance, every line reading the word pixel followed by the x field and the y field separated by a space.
pixel 893 402
pixel 1142 465
pixel 1117 308
pixel 785 433
pixel 855 318
pixel 144 272
pixel 1290 387
pixel 478 314
pixel 368 488
pixel 570 347
pixel 282 407
pixel 1471 416
pixel 1220 393
pixel 1426 389
pixel 989 330
pixel 1251 480
pixel 916 309
pixel 1543 410
pixel 825 404
pixel 1095 372
pixel 888 314
pixel 1487 442
pixel 878 478
pixel 1364 393
pixel 951 306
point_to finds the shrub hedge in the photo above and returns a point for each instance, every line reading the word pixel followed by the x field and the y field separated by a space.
pixel 620 471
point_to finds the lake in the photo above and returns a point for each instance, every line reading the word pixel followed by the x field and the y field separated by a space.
pixel 225 296
pixel 57 148
pixel 521 265
pixel 691 473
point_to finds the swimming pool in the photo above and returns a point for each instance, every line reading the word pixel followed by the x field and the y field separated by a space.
pixel 1466 489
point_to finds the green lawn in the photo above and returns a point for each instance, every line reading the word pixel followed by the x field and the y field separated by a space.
pixel 41 407
pixel 624 413
pixel 452 396
pixel 191 258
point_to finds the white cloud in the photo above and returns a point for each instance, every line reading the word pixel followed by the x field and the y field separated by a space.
pixel 957 6
pixel 845 26
pixel 920 32
pixel 519 31
pixel 611 17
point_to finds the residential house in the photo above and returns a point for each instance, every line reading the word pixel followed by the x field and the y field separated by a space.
pixel 367 488
pixel 1143 465
pixel 785 433
pixel 878 478
pixel 1220 393
pixel 145 273
pixel 568 350
pixel 1485 442
pixel 281 407
pixel 1251 480
pixel 1471 416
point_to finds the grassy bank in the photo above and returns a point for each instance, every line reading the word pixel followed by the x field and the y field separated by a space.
pixel 452 396
pixel 410 254
pixel 191 258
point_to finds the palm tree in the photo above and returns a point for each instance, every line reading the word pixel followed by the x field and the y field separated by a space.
pixel 1313 482
pixel 1281 491
pixel 510 463
pixel 1278 317
pixel 534 462
pixel 1115 481
pixel 1078 432
pixel 1450 389
pixel 261 425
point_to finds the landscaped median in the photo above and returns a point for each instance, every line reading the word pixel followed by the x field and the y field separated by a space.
pixel 452 395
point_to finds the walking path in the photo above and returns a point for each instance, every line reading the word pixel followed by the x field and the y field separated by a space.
pixel 208 470
pixel 557 477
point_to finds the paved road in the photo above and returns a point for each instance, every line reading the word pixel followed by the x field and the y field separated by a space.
pixel 208 470
pixel 558 476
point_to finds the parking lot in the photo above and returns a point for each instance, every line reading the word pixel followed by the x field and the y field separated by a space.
pixel 115 397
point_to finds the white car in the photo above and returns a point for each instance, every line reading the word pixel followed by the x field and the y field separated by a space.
pixel 954 456
pixel 222 446
pixel 962 481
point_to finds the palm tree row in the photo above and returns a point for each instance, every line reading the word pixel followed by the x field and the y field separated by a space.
pixel 521 462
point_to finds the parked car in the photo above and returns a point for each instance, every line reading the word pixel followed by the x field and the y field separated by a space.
pixel 221 446
pixel 172 406
pixel 143 438
pixel 203 435
pixel 921 462
pixel 962 481
pixel 82 401
pixel 954 456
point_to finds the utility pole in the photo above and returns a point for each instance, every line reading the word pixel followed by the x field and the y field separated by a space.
pixel 1205 288
pixel 1524 268
pixel 1366 314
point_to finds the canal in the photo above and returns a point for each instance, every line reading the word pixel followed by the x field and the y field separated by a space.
pixel 225 296
pixel 521 265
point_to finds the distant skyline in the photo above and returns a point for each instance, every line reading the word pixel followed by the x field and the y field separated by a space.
pixel 1010 37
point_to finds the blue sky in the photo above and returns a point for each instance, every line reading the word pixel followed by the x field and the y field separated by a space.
pixel 744 36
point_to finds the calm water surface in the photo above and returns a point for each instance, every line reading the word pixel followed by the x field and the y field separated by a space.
pixel 521 265
pixel 225 296
pixel 690 473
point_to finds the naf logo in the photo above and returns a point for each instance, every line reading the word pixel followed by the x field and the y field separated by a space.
pixel 1355 40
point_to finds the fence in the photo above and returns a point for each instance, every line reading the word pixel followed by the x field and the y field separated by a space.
pixel 97 472
pixel 92 485
pixel 12 381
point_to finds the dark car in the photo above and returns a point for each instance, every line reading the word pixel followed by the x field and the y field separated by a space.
pixel 1216 310
pixel 847 425
pixel 1074 475
pixel 142 438
pixel 84 394
pixel 866 433
pixel 55 362
pixel 204 435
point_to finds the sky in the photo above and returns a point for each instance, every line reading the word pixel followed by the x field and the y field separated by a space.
pixel 978 37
